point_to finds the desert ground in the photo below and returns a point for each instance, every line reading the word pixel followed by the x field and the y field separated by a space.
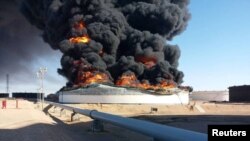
pixel 29 122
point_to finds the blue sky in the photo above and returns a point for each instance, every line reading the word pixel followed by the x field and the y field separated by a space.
pixel 215 50
pixel 216 45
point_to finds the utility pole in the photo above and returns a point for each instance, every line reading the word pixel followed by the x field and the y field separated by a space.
pixel 40 74
pixel 7 84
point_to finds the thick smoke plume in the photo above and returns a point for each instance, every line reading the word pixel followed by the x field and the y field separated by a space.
pixel 20 43
pixel 120 36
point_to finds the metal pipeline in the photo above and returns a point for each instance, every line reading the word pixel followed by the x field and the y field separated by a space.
pixel 157 131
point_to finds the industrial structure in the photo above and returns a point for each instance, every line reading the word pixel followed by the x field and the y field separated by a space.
pixel 26 95
pixel 4 95
pixel 210 95
pixel 239 93
pixel 98 93
pixel 7 84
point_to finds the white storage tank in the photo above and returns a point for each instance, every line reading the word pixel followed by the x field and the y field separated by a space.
pixel 99 93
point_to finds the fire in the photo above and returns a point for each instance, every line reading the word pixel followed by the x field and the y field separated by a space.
pixel 80 25
pixel 83 39
pixel 80 39
pixel 162 85
pixel 129 79
pixel 89 77
pixel 149 62
pixel 165 85
pixel 86 74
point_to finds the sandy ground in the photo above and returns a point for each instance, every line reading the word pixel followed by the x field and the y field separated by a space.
pixel 29 123
pixel 194 116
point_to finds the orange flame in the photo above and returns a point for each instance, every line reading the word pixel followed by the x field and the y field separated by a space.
pixel 149 62
pixel 129 79
pixel 80 25
pixel 165 85
pixel 83 39
pixel 89 77
pixel 86 74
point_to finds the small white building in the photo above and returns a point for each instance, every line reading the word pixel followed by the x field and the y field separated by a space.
pixel 99 93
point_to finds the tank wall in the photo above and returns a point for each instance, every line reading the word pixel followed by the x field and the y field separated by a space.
pixel 239 94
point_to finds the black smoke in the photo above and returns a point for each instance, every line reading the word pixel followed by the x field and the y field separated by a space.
pixel 127 32
pixel 20 43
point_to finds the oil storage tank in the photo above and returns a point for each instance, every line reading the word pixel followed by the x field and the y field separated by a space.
pixel 4 95
pixel 239 93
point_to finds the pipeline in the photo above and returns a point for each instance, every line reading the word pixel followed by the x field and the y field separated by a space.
pixel 157 131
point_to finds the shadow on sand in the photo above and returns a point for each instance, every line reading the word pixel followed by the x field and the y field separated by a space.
pixel 196 122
